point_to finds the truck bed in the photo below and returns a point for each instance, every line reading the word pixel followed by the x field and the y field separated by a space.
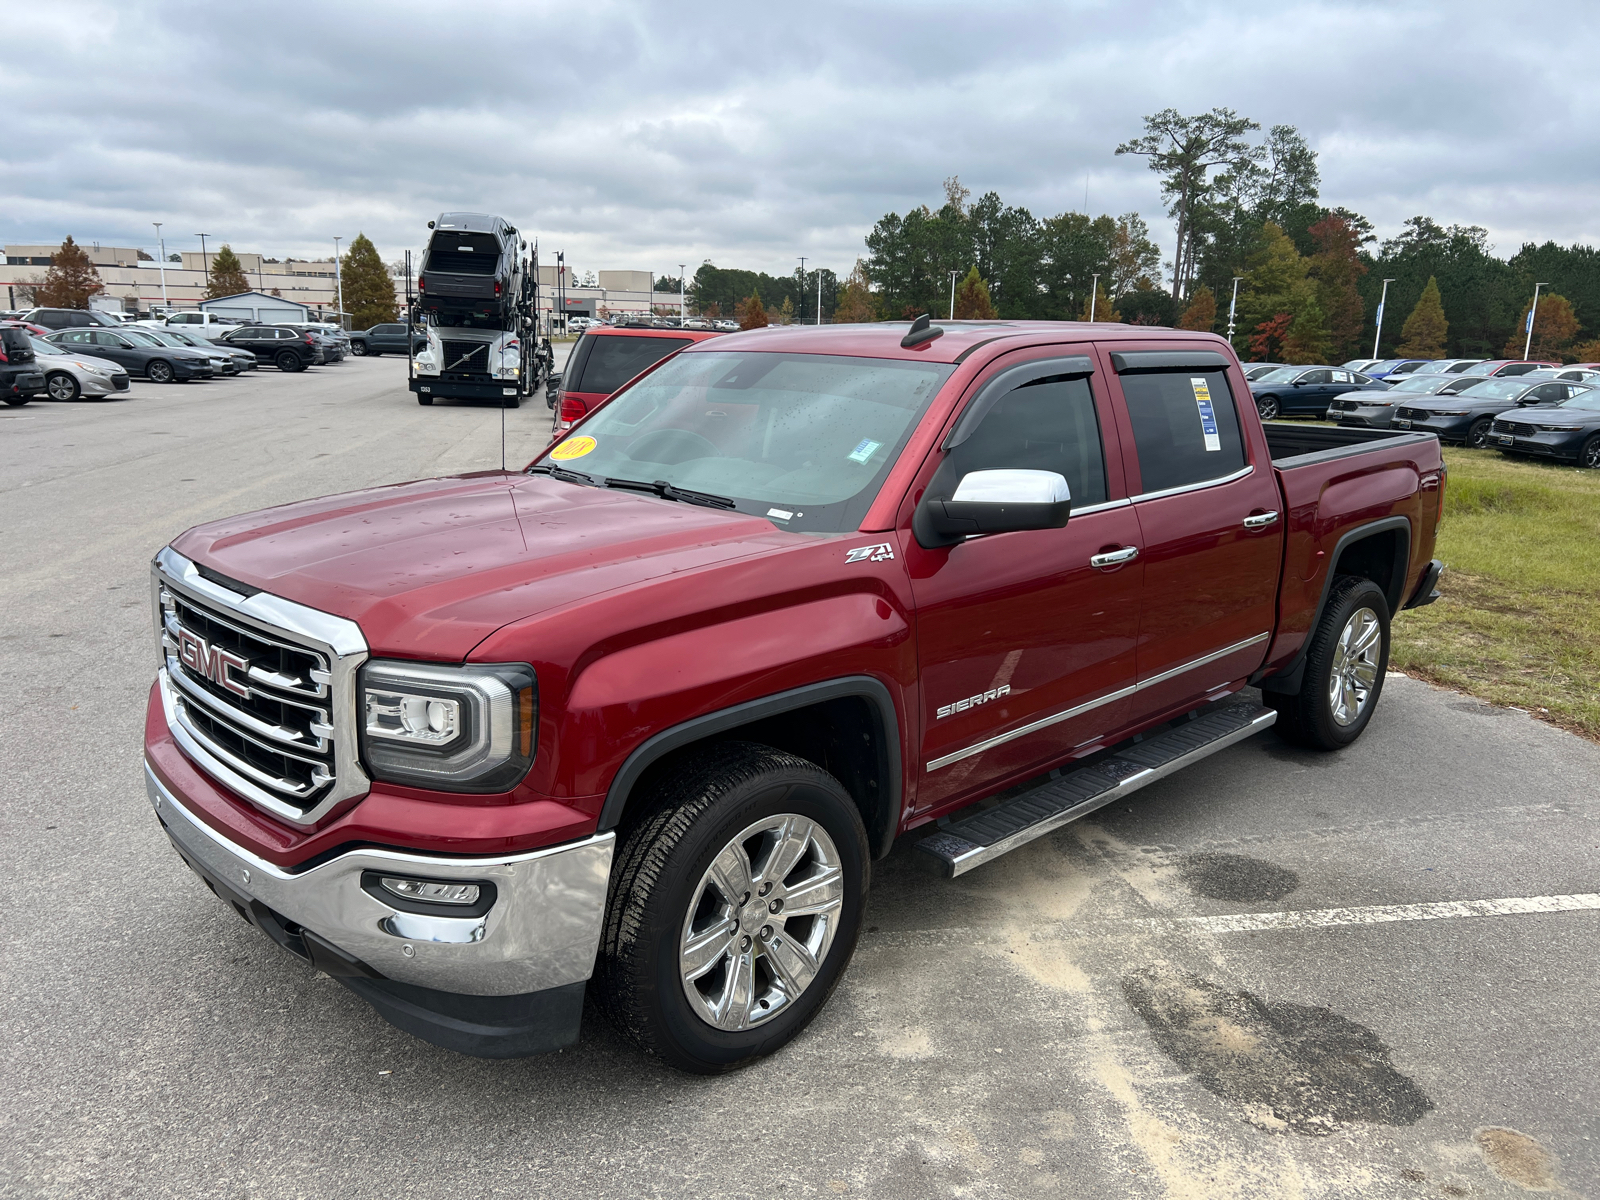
pixel 1300 445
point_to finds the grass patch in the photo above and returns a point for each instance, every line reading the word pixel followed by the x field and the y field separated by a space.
pixel 1518 618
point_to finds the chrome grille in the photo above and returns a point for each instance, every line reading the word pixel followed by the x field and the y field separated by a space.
pixel 1514 427
pixel 259 691
pixel 466 356
pixel 1412 414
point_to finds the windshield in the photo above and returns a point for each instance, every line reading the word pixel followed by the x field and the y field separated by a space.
pixel 1484 368
pixel 1281 375
pixel 162 336
pixel 1495 389
pixel 804 439
pixel 142 337
pixel 40 346
pixel 1387 364
pixel 1588 398
pixel 1422 383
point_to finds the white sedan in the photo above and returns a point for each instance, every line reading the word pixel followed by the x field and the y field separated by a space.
pixel 69 376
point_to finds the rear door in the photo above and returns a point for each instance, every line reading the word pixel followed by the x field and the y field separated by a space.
pixel 1210 528
pixel 1025 645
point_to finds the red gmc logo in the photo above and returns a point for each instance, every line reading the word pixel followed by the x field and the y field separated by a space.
pixel 212 662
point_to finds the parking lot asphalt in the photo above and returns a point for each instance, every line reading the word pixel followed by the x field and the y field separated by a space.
pixel 1277 974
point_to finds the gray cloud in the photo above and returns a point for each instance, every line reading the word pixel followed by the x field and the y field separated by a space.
pixel 648 135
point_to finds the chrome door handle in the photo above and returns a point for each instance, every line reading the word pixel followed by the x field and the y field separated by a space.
pixel 1261 520
pixel 1115 558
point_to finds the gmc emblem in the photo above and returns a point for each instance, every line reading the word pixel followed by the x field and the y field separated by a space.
pixel 212 661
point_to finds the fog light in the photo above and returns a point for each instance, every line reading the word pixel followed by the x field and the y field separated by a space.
pixel 434 893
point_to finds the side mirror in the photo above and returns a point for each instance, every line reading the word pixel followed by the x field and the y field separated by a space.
pixel 1298 382
pixel 552 383
pixel 999 501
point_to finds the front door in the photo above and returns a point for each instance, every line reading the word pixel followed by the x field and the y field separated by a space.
pixel 117 348
pixel 1025 644
pixel 1210 525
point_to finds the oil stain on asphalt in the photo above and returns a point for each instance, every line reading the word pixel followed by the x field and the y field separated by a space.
pixel 1235 877
pixel 1284 1066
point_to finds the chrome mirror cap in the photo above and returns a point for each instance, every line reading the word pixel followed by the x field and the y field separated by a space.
pixel 1012 486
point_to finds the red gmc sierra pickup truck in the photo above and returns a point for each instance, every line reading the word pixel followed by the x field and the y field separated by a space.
pixel 643 714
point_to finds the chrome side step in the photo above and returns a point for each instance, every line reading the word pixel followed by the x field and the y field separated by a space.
pixel 965 844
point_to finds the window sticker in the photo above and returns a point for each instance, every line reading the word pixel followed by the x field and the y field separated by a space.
pixel 780 514
pixel 863 450
pixel 573 448
pixel 1208 415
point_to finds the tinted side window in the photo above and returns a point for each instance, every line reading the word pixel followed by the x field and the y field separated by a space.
pixel 1047 425
pixel 1185 428
pixel 612 361
pixel 1314 377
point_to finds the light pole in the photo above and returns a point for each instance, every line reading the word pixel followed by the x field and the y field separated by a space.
pixel 802 311
pixel 1378 333
pixel 204 261
pixel 1527 342
pixel 561 287
pixel 1233 305
pixel 819 295
pixel 1094 294
pixel 338 283
pixel 953 275
pixel 682 310
pixel 161 262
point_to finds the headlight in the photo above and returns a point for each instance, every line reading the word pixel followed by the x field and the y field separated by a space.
pixel 1446 412
pixel 456 729
pixel 1558 428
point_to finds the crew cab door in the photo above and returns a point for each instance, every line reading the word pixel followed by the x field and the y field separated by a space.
pixel 1210 525
pixel 1025 646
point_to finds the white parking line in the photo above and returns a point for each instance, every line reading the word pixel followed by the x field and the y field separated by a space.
pixel 1377 914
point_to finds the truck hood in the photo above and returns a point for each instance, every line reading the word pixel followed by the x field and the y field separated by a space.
pixel 429 569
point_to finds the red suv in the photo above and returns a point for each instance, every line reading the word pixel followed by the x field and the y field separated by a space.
pixel 606 357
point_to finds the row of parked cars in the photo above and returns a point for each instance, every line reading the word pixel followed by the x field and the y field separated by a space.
pixel 1542 409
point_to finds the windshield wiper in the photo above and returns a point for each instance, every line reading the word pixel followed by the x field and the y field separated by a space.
pixel 667 492
pixel 562 473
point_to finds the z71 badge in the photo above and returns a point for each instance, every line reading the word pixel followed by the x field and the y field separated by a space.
pixel 879 553
pixel 973 701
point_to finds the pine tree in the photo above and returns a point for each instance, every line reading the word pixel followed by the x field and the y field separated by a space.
pixel 1553 330
pixel 1423 335
pixel 1278 308
pixel 71 280
pixel 857 304
pixel 368 287
pixel 750 312
pixel 1202 311
pixel 1336 266
pixel 972 299
pixel 1103 311
pixel 227 274
pixel 786 312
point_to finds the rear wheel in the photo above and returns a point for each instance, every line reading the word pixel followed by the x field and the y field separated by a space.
pixel 1589 456
pixel 1346 659
pixel 1267 406
pixel 734 907
pixel 289 363
pixel 1478 433
pixel 159 371
pixel 62 386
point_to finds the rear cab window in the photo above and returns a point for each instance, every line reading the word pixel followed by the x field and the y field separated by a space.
pixel 1185 427
pixel 602 363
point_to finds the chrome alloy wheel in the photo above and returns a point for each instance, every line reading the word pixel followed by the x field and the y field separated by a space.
pixel 1355 666
pixel 761 922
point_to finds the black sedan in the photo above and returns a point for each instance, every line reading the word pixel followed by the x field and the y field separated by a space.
pixel 1306 391
pixel 242 360
pixel 1368 411
pixel 1254 370
pixel 386 338
pixel 1466 416
pixel 1569 431
pixel 139 355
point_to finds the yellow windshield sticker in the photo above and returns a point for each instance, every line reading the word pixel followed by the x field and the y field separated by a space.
pixel 573 448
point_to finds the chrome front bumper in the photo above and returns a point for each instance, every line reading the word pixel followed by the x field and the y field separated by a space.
pixel 542 931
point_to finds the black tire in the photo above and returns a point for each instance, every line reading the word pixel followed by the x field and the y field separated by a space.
pixel 1268 408
pixel 1307 718
pixel 1478 433
pixel 159 371
pixel 289 363
pixel 1589 456
pixel 696 809
pixel 421 399
pixel 359 349
pixel 61 386
pixel 511 401
pixel 17 401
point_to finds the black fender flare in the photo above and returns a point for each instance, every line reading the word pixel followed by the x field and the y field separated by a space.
pixel 864 687
pixel 1288 678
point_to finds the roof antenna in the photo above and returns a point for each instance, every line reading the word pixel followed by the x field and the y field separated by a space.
pixel 922 330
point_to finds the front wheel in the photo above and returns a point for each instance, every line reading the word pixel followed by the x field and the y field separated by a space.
pixel 1478 433
pixel 734 907
pixel 421 399
pixel 511 401
pixel 62 386
pixel 159 372
pixel 359 349
pixel 17 401
pixel 1346 659
pixel 1589 456
pixel 1268 407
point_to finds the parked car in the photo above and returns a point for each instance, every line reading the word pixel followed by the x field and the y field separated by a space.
pixel 605 358
pixel 20 377
pixel 638 720
pixel 1566 374
pixel 286 348
pixel 70 376
pixel 1496 368
pixel 725 326
pixel 697 323
pixel 138 353
pixel 1466 416
pixel 1255 370
pixel 390 338
pixel 1448 366
pixel 68 318
pixel 204 322
pixel 1384 368
pixel 223 361
pixel 1370 410
pixel 1355 364
pixel 330 339
pixel 29 326
pixel 1307 391
pixel 1568 431
pixel 243 360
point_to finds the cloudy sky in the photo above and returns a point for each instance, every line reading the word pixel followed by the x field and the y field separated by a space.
pixel 645 135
